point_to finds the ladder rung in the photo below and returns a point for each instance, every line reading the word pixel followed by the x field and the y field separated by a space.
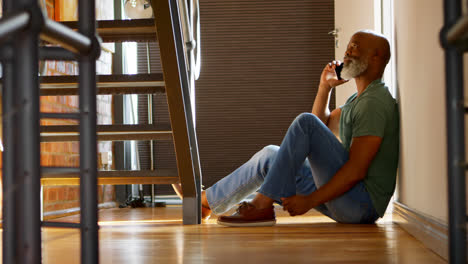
pixel 135 30
pixel 51 171
pixel 160 176
pixel 60 224
pixel 107 84
pixel 56 53
pixel 108 133
pixel 60 115
pixel 458 30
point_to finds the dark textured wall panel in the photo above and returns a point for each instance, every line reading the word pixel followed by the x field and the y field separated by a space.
pixel 261 67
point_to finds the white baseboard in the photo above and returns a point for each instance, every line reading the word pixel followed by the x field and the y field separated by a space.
pixel 431 232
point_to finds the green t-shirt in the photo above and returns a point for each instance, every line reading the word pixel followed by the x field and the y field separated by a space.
pixel 374 113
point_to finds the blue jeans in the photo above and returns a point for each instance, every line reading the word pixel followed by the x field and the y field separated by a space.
pixel 308 158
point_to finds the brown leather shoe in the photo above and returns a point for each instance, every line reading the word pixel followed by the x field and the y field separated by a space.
pixel 248 215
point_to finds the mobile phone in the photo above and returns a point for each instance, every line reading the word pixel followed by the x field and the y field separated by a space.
pixel 338 71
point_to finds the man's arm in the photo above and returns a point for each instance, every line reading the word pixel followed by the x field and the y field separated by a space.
pixel 328 80
pixel 334 122
pixel 362 152
pixel 320 108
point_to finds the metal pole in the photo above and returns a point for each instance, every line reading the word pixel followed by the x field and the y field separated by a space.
pixel 9 242
pixel 56 53
pixel 455 139
pixel 458 30
pixel 9 189
pixel 88 140
pixel 14 23
pixel 187 103
pixel 150 121
pixel 28 144
pixel 55 32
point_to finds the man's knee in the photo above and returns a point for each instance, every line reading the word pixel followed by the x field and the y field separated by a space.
pixel 269 150
pixel 306 119
pixel 266 153
pixel 263 158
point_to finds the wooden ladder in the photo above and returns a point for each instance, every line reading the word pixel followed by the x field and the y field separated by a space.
pixel 165 28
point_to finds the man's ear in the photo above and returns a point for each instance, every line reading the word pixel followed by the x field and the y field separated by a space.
pixel 379 54
pixel 375 56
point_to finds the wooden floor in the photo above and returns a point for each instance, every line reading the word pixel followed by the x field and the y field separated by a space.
pixel 157 235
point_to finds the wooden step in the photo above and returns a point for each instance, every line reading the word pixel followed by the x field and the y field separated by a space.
pixel 134 30
pixel 74 115
pixel 60 224
pixel 160 176
pixel 108 133
pixel 107 84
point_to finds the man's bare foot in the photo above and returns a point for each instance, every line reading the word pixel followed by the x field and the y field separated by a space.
pixel 178 190
pixel 206 211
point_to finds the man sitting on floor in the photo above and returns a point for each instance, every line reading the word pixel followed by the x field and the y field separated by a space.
pixel 350 181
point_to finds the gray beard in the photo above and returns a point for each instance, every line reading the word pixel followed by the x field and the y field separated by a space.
pixel 353 69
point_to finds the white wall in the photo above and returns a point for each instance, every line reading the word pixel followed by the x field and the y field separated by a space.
pixel 421 86
pixel 352 16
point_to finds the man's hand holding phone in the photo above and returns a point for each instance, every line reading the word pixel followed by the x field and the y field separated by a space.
pixel 330 75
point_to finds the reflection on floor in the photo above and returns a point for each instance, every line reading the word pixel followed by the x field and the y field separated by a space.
pixel 156 235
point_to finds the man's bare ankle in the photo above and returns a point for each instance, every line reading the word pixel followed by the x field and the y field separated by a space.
pixel 204 201
pixel 261 201
pixel 178 190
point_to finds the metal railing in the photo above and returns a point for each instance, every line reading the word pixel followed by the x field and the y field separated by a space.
pixel 21 28
pixel 190 20
pixel 189 12
pixel 188 92
pixel 454 40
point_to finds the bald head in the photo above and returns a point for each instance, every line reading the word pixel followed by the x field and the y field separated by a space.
pixel 372 50
pixel 377 44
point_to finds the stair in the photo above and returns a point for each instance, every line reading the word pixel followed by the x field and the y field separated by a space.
pixel 70 176
pixel 107 84
pixel 108 133
pixel 174 82
pixel 135 30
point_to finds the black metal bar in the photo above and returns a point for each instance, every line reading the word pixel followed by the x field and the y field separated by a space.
pixel 9 183
pixel 9 235
pixel 455 138
pixel 13 23
pixel 28 144
pixel 60 224
pixel 187 101
pixel 56 53
pixel 458 30
pixel 60 115
pixel 6 52
pixel 57 33
pixel 88 139
pixel 117 68
pixel 59 170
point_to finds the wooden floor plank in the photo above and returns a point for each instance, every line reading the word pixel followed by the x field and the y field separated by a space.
pixel 156 235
